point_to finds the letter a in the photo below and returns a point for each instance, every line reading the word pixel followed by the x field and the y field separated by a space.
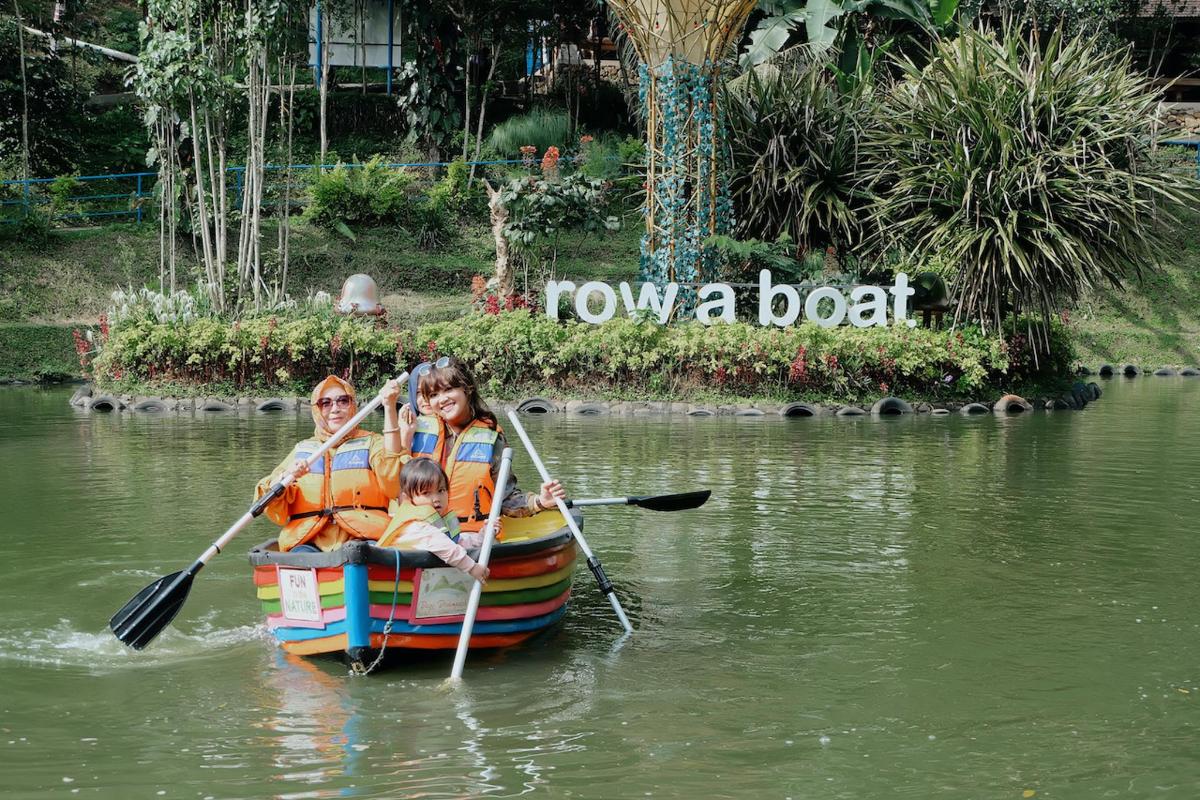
pixel 724 303
pixel 877 305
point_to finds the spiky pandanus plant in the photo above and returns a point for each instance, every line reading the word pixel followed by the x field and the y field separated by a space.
pixel 795 143
pixel 1027 165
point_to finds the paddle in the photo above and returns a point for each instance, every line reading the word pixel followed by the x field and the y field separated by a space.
pixel 485 553
pixel 593 563
pixel 153 608
pixel 662 502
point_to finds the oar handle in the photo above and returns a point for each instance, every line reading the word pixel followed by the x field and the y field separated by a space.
pixel 605 584
pixel 485 554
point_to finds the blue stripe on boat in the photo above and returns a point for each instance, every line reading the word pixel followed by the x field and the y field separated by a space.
pixel 400 626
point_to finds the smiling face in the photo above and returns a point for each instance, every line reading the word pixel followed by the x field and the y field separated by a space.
pixel 336 407
pixel 452 405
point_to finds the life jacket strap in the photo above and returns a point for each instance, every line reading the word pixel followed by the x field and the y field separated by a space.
pixel 329 512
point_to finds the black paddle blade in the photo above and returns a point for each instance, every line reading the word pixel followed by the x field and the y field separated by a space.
pixel 673 502
pixel 151 609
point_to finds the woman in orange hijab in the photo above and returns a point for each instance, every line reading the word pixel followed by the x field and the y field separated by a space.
pixel 345 495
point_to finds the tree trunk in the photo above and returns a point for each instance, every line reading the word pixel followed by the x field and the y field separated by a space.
pixel 24 102
pixel 494 53
pixel 499 217
pixel 324 82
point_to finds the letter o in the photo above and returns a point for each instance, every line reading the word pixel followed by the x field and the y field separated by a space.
pixel 812 306
pixel 585 293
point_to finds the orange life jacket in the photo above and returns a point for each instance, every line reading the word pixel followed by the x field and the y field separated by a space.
pixel 430 438
pixel 405 513
pixel 469 468
pixel 342 489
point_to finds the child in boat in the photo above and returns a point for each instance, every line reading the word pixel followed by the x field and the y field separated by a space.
pixel 468 444
pixel 420 521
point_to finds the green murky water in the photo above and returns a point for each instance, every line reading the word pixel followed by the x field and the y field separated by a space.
pixel 920 607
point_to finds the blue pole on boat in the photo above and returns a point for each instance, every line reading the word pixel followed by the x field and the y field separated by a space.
pixel 358 606
pixel 138 198
pixel 391 26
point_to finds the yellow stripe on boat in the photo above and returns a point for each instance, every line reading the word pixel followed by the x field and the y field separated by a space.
pixel 271 590
pixel 518 529
pixel 498 585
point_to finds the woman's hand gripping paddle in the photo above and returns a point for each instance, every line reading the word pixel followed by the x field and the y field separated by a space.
pixel 662 502
pixel 485 554
pixel 593 563
pixel 153 608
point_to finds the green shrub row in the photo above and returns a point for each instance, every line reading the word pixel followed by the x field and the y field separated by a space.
pixel 38 353
pixel 516 352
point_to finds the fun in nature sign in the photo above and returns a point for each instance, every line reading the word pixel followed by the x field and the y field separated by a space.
pixel 866 307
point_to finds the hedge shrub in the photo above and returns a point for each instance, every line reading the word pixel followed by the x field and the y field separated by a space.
pixel 515 351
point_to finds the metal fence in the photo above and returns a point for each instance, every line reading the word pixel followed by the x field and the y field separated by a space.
pixel 131 195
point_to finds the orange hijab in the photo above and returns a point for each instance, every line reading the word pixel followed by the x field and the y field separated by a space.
pixel 320 432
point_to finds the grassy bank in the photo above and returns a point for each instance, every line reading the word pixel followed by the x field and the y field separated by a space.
pixel 1152 324
pixel 37 352
pixel 68 277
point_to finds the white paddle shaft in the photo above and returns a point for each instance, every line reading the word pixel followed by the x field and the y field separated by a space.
pixel 593 562
pixel 485 554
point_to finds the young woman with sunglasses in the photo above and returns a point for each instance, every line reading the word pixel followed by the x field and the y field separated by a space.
pixel 467 441
pixel 346 494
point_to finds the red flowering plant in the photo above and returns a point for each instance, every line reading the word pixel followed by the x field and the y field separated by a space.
pixel 528 155
pixel 550 163
pixel 489 300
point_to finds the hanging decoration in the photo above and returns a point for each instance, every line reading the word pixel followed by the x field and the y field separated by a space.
pixel 680 44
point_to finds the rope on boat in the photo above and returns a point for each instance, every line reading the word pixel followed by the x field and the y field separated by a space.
pixel 356 667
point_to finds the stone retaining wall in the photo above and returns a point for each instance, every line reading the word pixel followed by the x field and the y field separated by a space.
pixel 1077 397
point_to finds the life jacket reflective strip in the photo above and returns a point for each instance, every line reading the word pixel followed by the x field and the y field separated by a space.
pixel 341 487
pixel 430 438
pixel 405 513
pixel 469 468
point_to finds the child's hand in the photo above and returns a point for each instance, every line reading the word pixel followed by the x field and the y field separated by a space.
pixel 480 573
pixel 551 491
pixel 298 470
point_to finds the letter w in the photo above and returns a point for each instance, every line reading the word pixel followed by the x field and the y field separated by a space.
pixel 648 299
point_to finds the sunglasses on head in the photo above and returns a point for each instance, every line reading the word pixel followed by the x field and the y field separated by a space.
pixel 441 363
pixel 326 403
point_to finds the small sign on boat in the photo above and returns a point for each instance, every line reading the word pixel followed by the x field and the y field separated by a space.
pixel 299 598
pixel 441 595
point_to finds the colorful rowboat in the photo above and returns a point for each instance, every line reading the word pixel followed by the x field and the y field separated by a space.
pixel 340 602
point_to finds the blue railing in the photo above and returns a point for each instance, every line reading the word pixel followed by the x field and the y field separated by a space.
pixel 125 194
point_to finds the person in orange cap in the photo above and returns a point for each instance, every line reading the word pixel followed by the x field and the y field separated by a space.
pixel 346 493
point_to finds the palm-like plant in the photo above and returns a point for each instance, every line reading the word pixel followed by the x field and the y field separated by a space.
pixel 795 144
pixel 1027 165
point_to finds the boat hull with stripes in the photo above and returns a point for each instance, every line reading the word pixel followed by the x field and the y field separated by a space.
pixel 342 601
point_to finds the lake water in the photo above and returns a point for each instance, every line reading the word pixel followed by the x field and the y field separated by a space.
pixel 907 607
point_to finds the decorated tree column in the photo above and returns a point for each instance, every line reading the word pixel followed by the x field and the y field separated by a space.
pixel 680 44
